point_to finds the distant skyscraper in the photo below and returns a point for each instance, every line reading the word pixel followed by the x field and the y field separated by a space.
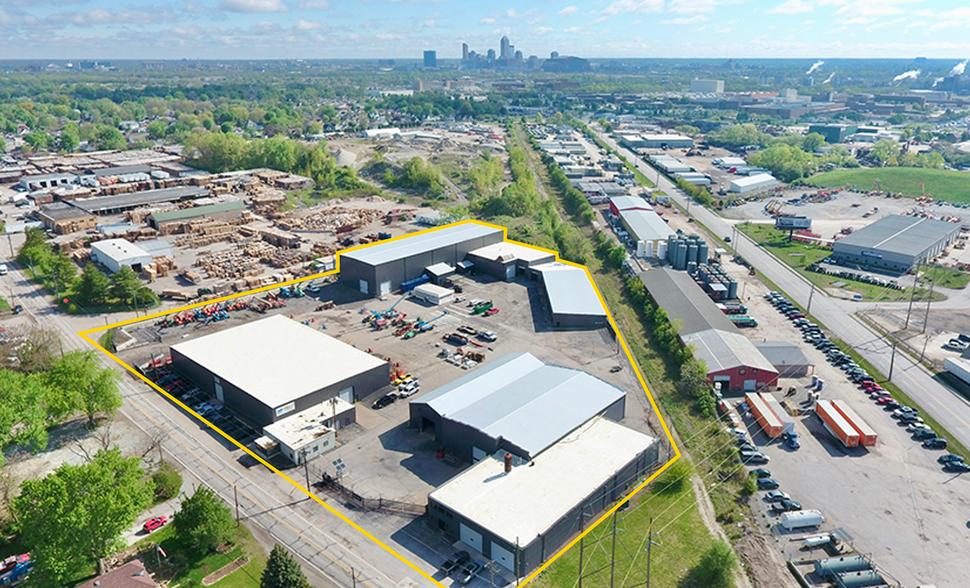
pixel 431 59
pixel 504 53
pixel 491 55
pixel 554 55
pixel 464 51
pixel 518 56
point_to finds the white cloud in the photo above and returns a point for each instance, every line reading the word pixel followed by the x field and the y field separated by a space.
pixel 430 23
pixel 306 25
pixel 541 31
pixel 250 6
pixel 193 7
pixel 634 7
pixel 858 20
pixel 17 17
pixel 832 2
pixel 691 6
pixel 599 19
pixel 572 30
pixel 870 8
pixel 961 13
pixel 313 5
pixel 487 21
pixel 685 21
pixel 569 11
pixel 101 16
pixel 792 7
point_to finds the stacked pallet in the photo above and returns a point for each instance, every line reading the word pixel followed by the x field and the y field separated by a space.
pixel 329 219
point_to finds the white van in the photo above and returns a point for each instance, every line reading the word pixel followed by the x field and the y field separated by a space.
pixel 3 269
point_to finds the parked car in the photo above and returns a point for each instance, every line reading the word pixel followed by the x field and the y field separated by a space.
pixel 776 496
pixel 761 472
pixel 949 457
pixel 935 443
pixel 455 563
pixel 957 467
pixel 903 409
pixel 754 457
pixel 154 523
pixel 921 434
pixel 469 572
pixel 791 439
pixel 788 504
pixel 742 447
pixel 768 484
pixel 384 401
pixel 488 336
pixel 408 389
pixel 910 418
pixel 913 427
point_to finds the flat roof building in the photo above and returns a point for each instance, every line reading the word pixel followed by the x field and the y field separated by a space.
pixel 572 297
pixel 747 184
pixel 707 86
pixel 896 243
pixel 516 404
pixel 233 208
pixel 646 226
pixel 43 181
pixel 505 260
pixel 620 204
pixel 123 202
pixel 787 358
pixel 381 269
pixel 521 515
pixel 63 218
pixel 115 253
pixel 305 435
pixel 272 367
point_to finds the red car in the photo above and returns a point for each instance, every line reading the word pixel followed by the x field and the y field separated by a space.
pixel 490 311
pixel 154 523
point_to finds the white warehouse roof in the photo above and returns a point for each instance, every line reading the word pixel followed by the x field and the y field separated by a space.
pixel 569 290
pixel 505 252
pixel 119 250
pixel 752 182
pixel 646 225
pixel 724 350
pixel 523 400
pixel 415 244
pixel 530 499
pixel 277 360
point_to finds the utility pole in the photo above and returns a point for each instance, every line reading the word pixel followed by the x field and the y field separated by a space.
pixel 912 297
pixel 613 552
pixel 892 362
pixel 650 542
pixel 808 309
pixel 306 470
pixel 353 578
pixel 926 317
pixel 235 494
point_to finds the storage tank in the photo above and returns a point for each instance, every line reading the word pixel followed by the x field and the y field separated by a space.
pixel 799 519
pixel 692 252
pixel 732 287
pixel 648 249
pixel 826 568
pixel 692 267
pixel 640 249
pixel 702 251
pixel 680 261
pixel 662 250
pixel 860 579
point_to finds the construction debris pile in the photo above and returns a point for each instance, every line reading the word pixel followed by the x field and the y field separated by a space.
pixel 329 219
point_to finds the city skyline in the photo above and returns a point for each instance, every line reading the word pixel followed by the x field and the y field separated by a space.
pixel 403 29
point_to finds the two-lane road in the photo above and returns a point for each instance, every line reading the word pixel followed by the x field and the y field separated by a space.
pixel 948 408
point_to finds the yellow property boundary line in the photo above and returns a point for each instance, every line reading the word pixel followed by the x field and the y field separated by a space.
pixel 85 335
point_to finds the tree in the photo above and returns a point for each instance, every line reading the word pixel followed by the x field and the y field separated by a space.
pixel 886 152
pixel 283 571
pixel 157 129
pixel 39 140
pixel 125 285
pixel 78 381
pixel 93 287
pixel 23 420
pixel 813 142
pixel 76 515
pixel 3 145
pixel 33 350
pixel 69 141
pixel 715 567
pixel 204 522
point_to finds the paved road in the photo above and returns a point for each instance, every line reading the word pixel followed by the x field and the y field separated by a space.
pixel 264 498
pixel 948 408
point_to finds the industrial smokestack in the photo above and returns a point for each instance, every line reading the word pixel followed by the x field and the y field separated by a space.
pixel 508 462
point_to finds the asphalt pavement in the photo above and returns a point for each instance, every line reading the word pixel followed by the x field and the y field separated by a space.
pixel 951 410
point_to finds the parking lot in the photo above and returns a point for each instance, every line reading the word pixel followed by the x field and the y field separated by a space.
pixel 384 458
pixel 919 531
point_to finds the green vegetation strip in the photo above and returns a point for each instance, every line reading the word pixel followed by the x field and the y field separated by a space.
pixel 4 305
pixel 945 277
pixel 941 184
pixel 799 256
pixel 954 446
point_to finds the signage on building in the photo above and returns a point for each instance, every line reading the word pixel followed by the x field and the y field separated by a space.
pixel 285 409
pixel 872 254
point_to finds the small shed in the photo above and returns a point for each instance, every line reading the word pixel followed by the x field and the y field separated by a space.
pixel 434 294
pixel 114 253
pixel 439 272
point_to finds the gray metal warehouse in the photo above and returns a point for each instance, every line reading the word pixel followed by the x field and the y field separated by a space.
pixel 788 358
pixel 516 404
pixel 572 297
pixel 382 268
pixel 896 243
pixel 505 260
pixel 270 368
pixel 521 515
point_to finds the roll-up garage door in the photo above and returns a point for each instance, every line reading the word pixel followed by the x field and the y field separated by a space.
pixel 472 538
pixel 503 557
pixel 385 288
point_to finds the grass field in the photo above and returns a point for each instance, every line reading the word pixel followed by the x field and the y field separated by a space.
pixel 946 277
pixel 4 305
pixel 801 255
pixel 941 184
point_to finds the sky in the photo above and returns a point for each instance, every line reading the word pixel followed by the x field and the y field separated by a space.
pixel 402 29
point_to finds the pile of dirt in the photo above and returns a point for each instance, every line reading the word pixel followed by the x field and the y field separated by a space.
pixel 762 561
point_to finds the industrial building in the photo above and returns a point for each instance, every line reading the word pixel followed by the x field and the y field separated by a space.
pixel 308 434
pixel 46 181
pixel 747 184
pixel 572 297
pixel 707 86
pixel 657 141
pixel 730 357
pixel 646 226
pixel 833 133
pixel 505 260
pixel 115 253
pixel 516 404
pixel 520 514
pixel 788 359
pixel 122 202
pixel 380 269
pixel 270 368
pixel 162 221
pixel 621 204
pixel 896 243
pixel 63 218
pixel 433 294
